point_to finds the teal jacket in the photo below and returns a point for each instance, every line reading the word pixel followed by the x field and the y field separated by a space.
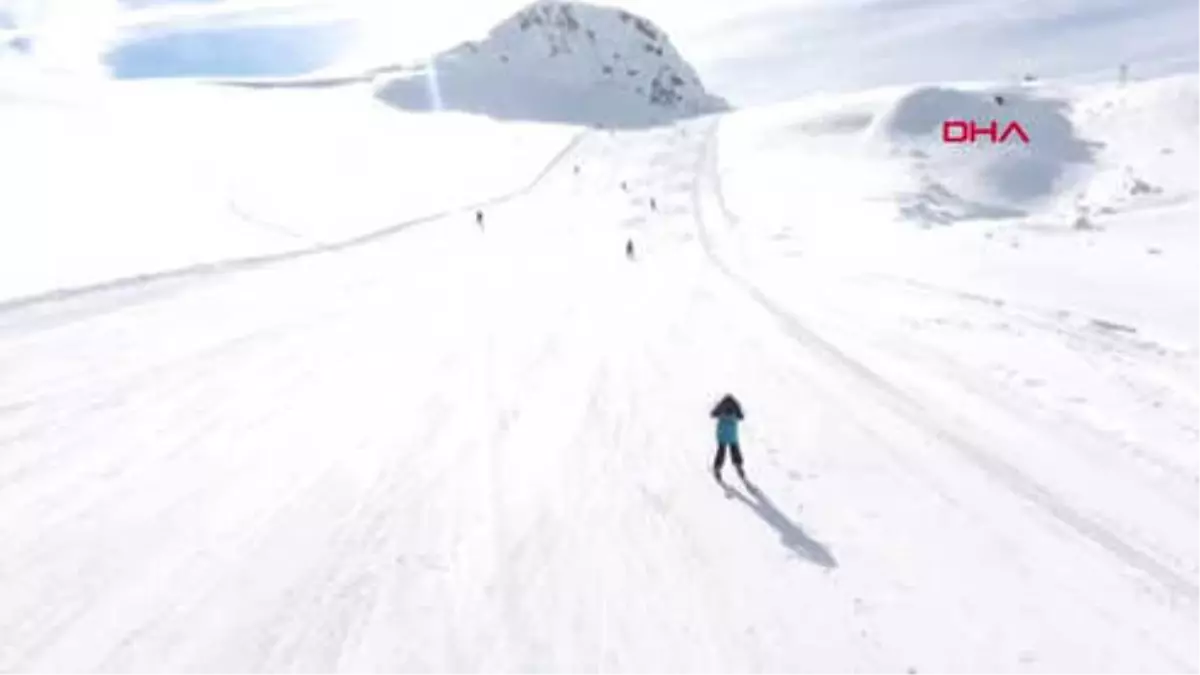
pixel 728 412
pixel 727 429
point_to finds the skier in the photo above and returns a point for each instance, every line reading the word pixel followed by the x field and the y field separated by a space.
pixel 624 187
pixel 653 204
pixel 728 413
pixel 479 219
pixel 629 249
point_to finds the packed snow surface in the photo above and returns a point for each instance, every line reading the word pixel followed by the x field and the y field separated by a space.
pixel 272 399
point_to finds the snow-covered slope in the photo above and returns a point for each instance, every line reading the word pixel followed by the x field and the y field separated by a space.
pixel 104 179
pixel 318 160
pixel 984 179
pixel 495 443
pixel 869 172
pixel 970 374
pixel 1109 142
pixel 562 62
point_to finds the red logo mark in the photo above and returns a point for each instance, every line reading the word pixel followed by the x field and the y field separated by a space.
pixel 967 131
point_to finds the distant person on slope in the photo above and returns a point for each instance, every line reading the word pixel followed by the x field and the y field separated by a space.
pixel 728 413
pixel 629 249
pixel 479 219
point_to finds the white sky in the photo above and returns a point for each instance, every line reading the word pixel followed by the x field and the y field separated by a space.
pixel 73 33
pixel 748 50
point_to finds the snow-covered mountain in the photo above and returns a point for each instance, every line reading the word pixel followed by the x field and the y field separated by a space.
pixel 562 62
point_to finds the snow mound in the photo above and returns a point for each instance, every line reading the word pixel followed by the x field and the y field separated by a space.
pixel 562 62
pixel 984 179
pixel 876 159
pixel 13 45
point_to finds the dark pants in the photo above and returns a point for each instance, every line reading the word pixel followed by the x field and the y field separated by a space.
pixel 735 454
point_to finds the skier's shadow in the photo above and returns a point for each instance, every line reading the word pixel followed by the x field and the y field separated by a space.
pixel 790 534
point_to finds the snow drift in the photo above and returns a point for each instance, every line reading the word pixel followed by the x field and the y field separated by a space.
pixel 984 179
pixel 562 62
pixel 1106 183
pixel 1090 149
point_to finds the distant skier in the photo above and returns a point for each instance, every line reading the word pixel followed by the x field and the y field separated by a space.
pixel 653 204
pixel 576 169
pixel 728 413
pixel 629 249
pixel 479 219
pixel 624 187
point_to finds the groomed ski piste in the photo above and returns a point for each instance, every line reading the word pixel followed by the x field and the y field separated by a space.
pixel 271 400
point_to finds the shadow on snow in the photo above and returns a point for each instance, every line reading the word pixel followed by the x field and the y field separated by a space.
pixel 790 534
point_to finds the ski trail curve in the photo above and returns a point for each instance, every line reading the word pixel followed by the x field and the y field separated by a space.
pixel 897 401
pixel 237 264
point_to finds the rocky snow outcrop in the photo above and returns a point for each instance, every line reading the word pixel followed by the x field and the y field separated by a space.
pixel 562 62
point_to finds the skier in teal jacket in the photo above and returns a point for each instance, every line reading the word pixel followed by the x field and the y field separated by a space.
pixel 728 413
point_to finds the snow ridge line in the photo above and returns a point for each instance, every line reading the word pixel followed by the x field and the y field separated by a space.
pixel 898 402
pixel 231 265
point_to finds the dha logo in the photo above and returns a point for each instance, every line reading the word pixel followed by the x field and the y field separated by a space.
pixel 966 131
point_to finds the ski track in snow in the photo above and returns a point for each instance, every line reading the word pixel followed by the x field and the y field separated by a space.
pixel 901 402
pixel 450 450
pixel 228 265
